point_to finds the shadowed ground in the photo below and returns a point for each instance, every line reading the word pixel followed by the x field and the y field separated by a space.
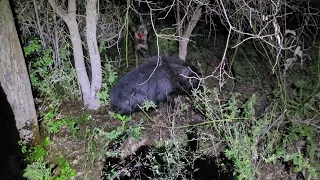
pixel 11 158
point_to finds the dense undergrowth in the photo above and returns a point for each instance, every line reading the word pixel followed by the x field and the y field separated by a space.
pixel 285 133
pixel 286 130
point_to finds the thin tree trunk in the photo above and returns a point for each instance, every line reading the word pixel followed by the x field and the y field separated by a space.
pixel 70 19
pixel 91 30
pixel 14 77
pixel 79 62
pixel 183 42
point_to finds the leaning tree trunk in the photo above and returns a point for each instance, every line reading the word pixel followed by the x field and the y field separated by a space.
pixel 14 77
pixel 69 17
pixel 91 31
pixel 184 40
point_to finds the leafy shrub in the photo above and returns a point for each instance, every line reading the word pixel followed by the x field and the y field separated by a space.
pixel 49 81
pixel 109 76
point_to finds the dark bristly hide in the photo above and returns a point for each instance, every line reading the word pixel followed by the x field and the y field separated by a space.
pixel 155 80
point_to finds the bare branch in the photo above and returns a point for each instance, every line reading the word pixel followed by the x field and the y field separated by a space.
pixel 62 13
pixel 43 42
pixel 193 22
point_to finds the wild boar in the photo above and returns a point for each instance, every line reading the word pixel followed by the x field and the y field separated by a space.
pixel 155 80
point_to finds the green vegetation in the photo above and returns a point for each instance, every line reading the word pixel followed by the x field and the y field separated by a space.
pixel 278 136
pixel 266 114
pixel 165 43
pixel 37 168
pixel 52 121
pixel 109 75
pixel 50 80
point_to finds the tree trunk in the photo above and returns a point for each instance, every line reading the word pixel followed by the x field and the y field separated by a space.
pixel 183 42
pixel 91 30
pixel 69 18
pixel 14 77
pixel 79 61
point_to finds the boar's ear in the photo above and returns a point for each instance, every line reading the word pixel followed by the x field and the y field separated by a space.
pixel 187 76
pixel 183 75
pixel 185 71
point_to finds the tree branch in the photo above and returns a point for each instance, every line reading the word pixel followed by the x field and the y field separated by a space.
pixel 62 13
pixel 193 22
pixel 43 42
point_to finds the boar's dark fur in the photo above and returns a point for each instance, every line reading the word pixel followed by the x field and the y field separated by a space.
pixel 153 83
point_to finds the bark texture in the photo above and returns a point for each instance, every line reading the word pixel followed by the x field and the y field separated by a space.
pixel 91 32
pixel 14 77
